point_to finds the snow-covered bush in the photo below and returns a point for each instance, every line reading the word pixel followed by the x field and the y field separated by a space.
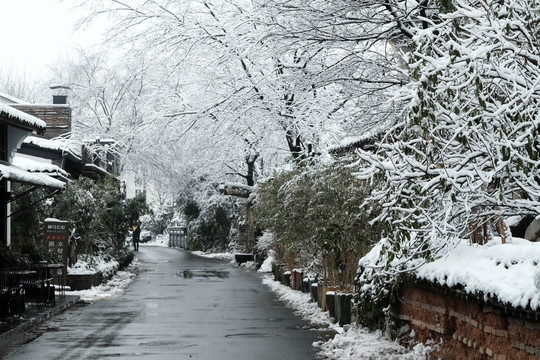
pixel 209 230
pixel 314 214
pixel 78 205
pixel 93 264
pixel 265 242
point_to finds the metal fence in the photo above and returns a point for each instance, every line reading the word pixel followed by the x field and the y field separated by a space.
pixel 177 237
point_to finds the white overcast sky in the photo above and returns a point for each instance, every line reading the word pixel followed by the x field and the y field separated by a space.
pixel 34 33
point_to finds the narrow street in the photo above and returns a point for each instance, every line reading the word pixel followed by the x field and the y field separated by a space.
pixel 180 306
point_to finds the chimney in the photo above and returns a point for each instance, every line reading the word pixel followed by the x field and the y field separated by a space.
pixel 60 94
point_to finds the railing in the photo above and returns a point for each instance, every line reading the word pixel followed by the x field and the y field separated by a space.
pixel 13 292
pixel 36 286
pixel 177 237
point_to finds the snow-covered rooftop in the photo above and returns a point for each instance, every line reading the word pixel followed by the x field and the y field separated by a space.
pixel 16 174
pixel 508 272
pixel 351 142
pixel 39 167
pixel 8 99
pixel 22 118
pixel 96 168
pixel 236 185
pixel 55 145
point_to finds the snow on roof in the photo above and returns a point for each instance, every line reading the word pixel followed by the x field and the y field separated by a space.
pixel 237 185
pixel 39 167
pixel 507 272
pixel 13 99
pixel 98 141
pixel 96 168
pixel 22 117
pixel 351 142
pixel 56 145
pixel 16 174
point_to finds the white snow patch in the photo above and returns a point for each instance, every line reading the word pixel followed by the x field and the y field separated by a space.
pixel 223 256
pixel 360 343
pixel 59 144
pixel 249 265
pixel 351 342
pixel 505 271
pixel 88 265
pixel 266 266
pixel 113 288
pixel 36 166
pixel 14 173
pixel 300 302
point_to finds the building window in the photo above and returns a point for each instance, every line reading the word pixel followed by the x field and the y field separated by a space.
pixel 59 99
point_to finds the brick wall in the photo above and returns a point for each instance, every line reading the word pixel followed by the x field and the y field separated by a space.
pixel 57 117
pixel 471 329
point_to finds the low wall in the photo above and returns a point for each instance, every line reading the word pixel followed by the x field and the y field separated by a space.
pixel 470 328
pixel 84 282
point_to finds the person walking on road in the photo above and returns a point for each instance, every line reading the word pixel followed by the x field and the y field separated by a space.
pixel 136 236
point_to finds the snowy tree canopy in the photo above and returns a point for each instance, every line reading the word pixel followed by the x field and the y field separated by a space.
pixel 466 153
pixel 235 81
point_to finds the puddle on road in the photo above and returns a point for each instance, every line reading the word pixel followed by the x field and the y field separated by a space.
pixel 205 274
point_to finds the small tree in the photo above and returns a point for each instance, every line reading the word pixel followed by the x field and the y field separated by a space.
pixel 157 220
pixel 77 204
pixel 136 207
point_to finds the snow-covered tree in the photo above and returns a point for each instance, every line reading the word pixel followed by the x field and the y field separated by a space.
pixel 348 52
pixel 273 78
pixel 466 154
pixel 21 86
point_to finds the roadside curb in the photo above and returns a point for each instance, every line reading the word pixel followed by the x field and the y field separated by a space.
pixel 28 324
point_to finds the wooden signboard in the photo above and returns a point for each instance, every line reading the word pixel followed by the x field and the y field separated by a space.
pixel 56 237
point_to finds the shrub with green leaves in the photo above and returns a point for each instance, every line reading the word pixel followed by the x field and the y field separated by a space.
pixel 98 214
pixel 210 224
pixel 27 215
pixel 315 214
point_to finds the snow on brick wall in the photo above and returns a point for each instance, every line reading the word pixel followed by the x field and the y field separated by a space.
pixel 470 328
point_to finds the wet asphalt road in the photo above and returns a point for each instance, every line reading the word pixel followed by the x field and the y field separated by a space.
pixel 180 306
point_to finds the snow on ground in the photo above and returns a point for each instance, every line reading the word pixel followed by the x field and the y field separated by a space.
pixel 113 288
pixel 266 266
pixel 163 240
pixel 301 303
pixel 505 271
pixel 88 265
pixel 351 342
pixel 223 256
